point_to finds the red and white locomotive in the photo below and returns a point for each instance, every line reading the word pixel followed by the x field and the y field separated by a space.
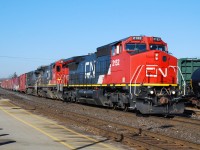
pixel 133 73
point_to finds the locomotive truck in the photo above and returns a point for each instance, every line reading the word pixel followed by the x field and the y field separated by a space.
pixel 136 72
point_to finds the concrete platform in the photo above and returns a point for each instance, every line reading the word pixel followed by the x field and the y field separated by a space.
pixel 22 130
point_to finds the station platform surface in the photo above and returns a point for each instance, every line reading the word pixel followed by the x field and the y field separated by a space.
pixel 22 130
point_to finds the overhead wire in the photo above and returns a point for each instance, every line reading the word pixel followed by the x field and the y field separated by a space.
pixel 25 57
pixel 28 58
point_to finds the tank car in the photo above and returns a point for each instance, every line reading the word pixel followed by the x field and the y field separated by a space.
pixel 195 82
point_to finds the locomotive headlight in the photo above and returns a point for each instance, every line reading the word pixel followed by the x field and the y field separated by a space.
pixel 173 92
pixel 151 91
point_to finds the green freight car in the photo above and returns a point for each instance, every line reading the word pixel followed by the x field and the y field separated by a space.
pixel 187 67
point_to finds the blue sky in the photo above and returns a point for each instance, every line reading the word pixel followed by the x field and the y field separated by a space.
pixel 38 32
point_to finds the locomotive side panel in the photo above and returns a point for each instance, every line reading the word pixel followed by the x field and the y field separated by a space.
pixel 91 70
pixel 31 79
pixel 46 75
pixel 102 68
pixel 43 75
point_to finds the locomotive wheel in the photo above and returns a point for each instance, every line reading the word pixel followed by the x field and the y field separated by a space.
pixel 65 100
pixel 110 104
pixel 125 108
pixel 114 106
pixel 198 104
pixel 73 99
pixel 138 113
pixel 69 99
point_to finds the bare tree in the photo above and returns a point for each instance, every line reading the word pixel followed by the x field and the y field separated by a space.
pixel 14 75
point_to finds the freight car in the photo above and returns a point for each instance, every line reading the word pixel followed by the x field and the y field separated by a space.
pixel 188 66
pixel 7 84
pixel 133 73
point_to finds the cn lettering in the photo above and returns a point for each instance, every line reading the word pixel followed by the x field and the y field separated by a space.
pixel 154 70
pixel 89 70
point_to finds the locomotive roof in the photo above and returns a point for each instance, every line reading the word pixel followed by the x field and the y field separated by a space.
pixel 114 43
pixel 111 44
pixel 42 67
pixel 118 41
pixel 73 58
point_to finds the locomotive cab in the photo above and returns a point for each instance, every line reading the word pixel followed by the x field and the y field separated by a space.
pixel 138 44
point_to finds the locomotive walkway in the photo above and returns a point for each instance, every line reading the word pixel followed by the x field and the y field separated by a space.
pixel 20 129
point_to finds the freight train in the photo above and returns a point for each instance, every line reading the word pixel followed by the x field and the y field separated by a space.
pixel 135 73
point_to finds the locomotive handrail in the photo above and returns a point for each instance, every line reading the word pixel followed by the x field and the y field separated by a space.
pixel 140 66
pixel 137 78
pixel 184 83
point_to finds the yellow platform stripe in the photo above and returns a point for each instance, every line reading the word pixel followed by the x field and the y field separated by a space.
pixel 65 128
pixel 36 128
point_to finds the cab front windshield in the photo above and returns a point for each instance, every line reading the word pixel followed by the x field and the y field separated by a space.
pixel 135 46
pixel 157 47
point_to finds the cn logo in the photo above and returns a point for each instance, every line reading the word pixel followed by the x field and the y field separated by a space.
pixel 89 70
pixel 154 70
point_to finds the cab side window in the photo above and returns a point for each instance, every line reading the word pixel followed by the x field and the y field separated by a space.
pixel 116 50
pixel 58 68
pixel 120 48
pixel 113 51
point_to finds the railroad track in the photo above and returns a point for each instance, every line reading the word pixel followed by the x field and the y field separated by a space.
pixel 180 120
pixel 176 119
pixel 135 137
pixel 173 120
pixel 194 111
pixel 186 120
